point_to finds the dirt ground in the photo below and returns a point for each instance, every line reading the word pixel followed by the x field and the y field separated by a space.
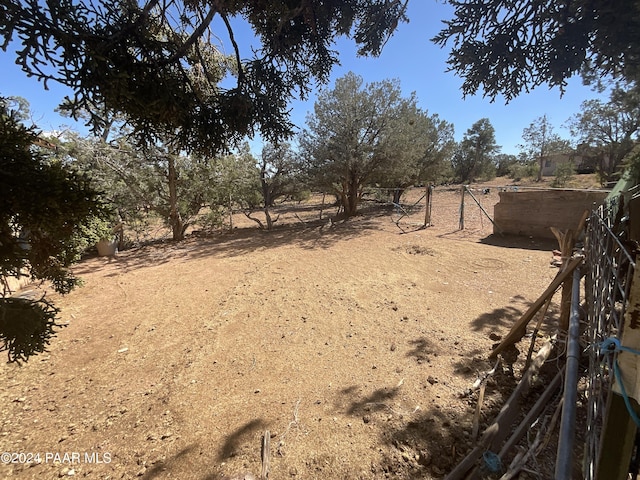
pixel 351 343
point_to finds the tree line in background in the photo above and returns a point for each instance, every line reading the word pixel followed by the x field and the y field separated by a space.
pixel 358 136
pixel 170 112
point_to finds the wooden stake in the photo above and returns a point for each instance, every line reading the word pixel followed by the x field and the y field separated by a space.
pixel 534 413
pixel 461 225
pixel 427 211
pixel 266 455
pixel 566 242
pixel 520 327
pixel 476 418
pixel 534 335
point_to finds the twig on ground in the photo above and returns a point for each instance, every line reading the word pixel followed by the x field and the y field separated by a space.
pixel 292 423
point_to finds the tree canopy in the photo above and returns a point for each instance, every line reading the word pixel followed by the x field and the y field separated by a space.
pixel 609 130
pixel 157 63
pixel 43 205
pixel 475 153
pixel 540 141
pixel 360 133
pixel 508 47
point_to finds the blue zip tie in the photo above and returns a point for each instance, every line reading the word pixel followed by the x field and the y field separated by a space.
pixel 492 461
pixel 611 346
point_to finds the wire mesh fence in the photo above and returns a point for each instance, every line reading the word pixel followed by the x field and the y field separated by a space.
pixel 607 285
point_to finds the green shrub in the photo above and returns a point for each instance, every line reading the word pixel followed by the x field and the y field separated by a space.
pixel 91 232
pixel 564 173
pixel 518 171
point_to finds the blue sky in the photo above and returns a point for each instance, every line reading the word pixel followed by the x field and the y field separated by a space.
pixel 409 56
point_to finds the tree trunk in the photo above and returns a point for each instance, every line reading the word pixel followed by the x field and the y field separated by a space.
pixel 540 167
pixel 177 225
pixel 267 216
pixel 352 198
pixel 267 196
pixel 397 194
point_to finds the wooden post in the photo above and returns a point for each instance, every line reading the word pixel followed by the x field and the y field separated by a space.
pixel 619 429
pixel 566 242
pixel 461 225
pixel 266 455
pixel 427 212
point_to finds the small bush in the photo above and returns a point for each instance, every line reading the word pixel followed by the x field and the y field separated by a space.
pixel 564 173
pixel 518 171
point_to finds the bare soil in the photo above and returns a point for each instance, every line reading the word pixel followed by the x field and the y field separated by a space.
pixel 352 343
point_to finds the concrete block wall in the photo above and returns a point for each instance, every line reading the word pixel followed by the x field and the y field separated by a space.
pixel 533 212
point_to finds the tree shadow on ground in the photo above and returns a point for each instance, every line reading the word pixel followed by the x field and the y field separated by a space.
pixel 177 464
pixel 430 442
pixel 234 440
pixel 498 317
pixel 474 362
pixel 242 241
pixel 508 315
pixel 423 349
pixel 160 468
pixel 375 401
pixel 150 255
pixel 417 443
pixel 433 441
pixel 234 243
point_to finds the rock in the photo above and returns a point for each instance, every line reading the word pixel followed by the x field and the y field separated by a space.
pixel 431 380
pixel 366 419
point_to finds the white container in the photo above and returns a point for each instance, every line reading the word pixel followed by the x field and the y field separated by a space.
pixel 107 248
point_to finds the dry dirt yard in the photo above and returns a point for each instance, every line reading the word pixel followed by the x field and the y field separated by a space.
pixel 351 343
